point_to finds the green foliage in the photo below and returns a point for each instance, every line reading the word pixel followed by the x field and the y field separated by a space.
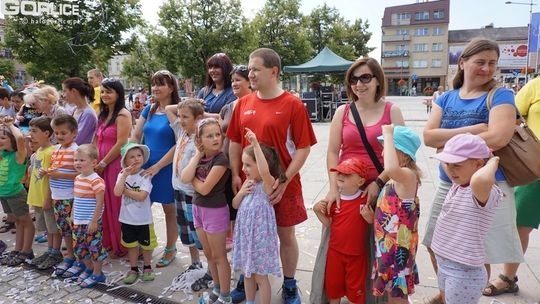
pixel 7 69
pixel 143 61
pixel 281 27
pixel 195 30
pixel 326 27
pixel 56 47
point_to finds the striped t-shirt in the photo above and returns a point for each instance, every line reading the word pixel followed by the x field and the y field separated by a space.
pixel 62 160
pixel 463 224
pixel 84 203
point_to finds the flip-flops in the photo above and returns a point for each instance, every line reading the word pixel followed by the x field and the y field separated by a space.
pixel 84 275
pixel 93 280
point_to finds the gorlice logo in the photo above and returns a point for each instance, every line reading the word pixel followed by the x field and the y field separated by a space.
pixel 38 8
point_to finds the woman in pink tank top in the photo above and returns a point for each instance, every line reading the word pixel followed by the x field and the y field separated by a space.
pixel 366 88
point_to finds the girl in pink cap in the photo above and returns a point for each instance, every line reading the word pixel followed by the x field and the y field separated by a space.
pixel 465 218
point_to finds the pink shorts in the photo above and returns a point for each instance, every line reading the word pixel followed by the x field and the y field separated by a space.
pixel 212 220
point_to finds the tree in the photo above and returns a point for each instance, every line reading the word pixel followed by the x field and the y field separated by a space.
pixel 7 69
pixel 56 47
pixel 143 61
pixel 195 30
pixel 326 27
pixel 281 27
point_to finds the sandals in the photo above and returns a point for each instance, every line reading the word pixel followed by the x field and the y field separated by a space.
pixel 64 266
pixel 201 283
pixel 511 287
pixel 51 260
pixel 74 271
pixel 7 227
pixel 93 280
pixel 148 275
pixel 3 246
pixel 84 275
pixel 20 258
pixel 164 262
pixel 7 256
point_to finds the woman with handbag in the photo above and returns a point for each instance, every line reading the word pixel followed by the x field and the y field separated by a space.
pixel 528 213
pixel 464 110
pixel 353 133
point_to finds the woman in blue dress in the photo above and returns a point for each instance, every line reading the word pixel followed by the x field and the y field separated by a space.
pixel 153 128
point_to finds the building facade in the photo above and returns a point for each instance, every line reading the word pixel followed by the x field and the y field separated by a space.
pixel 414 47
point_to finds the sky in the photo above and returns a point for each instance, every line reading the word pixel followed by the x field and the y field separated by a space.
pixel 464 14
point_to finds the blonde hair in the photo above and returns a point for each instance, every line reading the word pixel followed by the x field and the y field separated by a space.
pixel 88 150
pixel 48 93
pixel 411 164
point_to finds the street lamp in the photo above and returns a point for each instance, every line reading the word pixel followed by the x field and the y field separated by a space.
pixel 530 4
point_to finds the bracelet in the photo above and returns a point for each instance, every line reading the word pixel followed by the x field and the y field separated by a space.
pixel 380 182
pixel 102 164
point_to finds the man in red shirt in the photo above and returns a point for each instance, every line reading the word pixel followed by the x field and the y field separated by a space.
pixel 279 119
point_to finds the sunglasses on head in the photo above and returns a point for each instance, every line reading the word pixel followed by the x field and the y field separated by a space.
pixel 108 80
pixel 240 68
pixel 364 78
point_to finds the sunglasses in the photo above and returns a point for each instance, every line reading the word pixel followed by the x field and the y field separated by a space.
pixel 108 80
pixel 240 68
pixel 364 78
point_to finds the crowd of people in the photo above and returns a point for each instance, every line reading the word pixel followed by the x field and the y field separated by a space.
pixel 225 168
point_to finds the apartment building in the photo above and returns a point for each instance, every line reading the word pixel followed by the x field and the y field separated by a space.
pixel 414 46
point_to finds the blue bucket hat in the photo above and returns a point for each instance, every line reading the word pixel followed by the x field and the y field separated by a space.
pixel 405 140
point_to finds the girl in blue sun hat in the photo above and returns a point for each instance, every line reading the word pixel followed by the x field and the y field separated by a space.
pixel 395 218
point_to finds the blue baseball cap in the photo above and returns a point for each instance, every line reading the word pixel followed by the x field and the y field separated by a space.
pixel 405 140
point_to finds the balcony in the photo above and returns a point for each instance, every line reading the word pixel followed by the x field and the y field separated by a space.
pixel 396 21
pixel 390 38
pixel 396 71
pixel 396 53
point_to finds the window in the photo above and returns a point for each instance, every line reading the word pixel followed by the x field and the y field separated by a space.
pixel 404 16
pixel 421 16
pixel 436 63
pixel 402 64
pixel 438 14
pixel 401 32
pixel 438 31
pixel 402 47
pixel 437 47
pixel 420 64
pixel 422 31
pixel 420 47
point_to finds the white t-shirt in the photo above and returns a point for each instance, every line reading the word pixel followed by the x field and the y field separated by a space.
pixel 183 153
pixel 463 224
pixel 134 212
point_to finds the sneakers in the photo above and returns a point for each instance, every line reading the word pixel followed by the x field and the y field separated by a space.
pixel 148 275
pixel 131 277
pixel 290 292
pixel 238 295
pixel 202 283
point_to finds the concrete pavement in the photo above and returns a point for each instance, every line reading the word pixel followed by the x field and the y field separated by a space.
pixel 315 186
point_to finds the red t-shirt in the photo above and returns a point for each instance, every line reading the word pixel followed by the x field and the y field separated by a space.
pixel 281 122
pixel 349 230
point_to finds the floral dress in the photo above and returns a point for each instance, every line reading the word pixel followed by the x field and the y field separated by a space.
pixel 396 242
pixel 255 236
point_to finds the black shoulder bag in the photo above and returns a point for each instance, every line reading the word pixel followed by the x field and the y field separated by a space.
pixel 367 145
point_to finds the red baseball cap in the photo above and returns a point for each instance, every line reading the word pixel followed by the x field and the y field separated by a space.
pixel 352 166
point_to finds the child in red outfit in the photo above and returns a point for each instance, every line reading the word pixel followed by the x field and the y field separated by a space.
pixel 347 259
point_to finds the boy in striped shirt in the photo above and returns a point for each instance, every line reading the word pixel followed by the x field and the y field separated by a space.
pixel 61 180
pixel 465 218
pixel 89 193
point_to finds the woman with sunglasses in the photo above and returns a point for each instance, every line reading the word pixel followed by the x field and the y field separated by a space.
pixel 366 90
pixel 78 92
pixel 153 128
pixel 114 126
pixel 464 110
pixel 217 91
